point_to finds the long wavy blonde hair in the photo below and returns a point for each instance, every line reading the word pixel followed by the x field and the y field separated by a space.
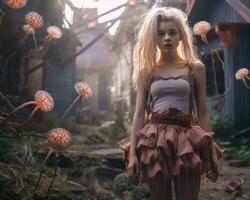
pixel 146 52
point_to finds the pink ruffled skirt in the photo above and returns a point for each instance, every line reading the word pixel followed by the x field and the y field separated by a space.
pixel 169 143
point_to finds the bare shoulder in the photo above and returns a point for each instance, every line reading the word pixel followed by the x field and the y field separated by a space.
pixel 198 69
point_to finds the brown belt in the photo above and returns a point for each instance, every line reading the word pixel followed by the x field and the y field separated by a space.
pixel 171 120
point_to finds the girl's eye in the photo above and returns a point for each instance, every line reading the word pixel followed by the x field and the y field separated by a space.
pixel 172 33
pixel 161 33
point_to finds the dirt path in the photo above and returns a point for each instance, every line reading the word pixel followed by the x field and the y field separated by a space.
pixel 216 191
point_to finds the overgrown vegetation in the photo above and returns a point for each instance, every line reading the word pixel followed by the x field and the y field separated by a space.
pixel 236 148
pixel 222 125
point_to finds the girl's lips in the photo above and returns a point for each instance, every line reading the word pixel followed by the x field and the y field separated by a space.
pixel 167 45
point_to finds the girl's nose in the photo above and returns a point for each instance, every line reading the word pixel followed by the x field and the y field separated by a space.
pixel 167 38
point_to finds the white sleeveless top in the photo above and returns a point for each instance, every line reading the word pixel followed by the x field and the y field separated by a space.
pixel 170 92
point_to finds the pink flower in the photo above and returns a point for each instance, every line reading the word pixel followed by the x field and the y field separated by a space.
pixel 242 74
pixel 201 28
pixel 91 25
pixel 15 4
pixel 131 2
pixel 34 20
pixel 54 32
pixel 28 29
pixel 59 138
pixel 44 101
pixel 83 89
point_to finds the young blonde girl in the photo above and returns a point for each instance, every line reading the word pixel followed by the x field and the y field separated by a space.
pixel 168 149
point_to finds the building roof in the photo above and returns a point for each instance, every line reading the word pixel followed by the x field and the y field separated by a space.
pixel 97 56
pixel 242 7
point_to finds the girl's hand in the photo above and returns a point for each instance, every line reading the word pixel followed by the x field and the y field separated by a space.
pixel 133 167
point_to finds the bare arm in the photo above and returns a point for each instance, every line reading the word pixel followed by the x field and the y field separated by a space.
pixel 200 96
pixel 139 116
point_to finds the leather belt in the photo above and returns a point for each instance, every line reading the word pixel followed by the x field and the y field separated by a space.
pixel 171 120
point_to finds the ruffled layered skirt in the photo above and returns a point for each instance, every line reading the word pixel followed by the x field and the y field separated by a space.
pixel 169 143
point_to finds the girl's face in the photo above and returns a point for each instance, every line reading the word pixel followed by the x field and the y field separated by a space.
pixel 168 36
